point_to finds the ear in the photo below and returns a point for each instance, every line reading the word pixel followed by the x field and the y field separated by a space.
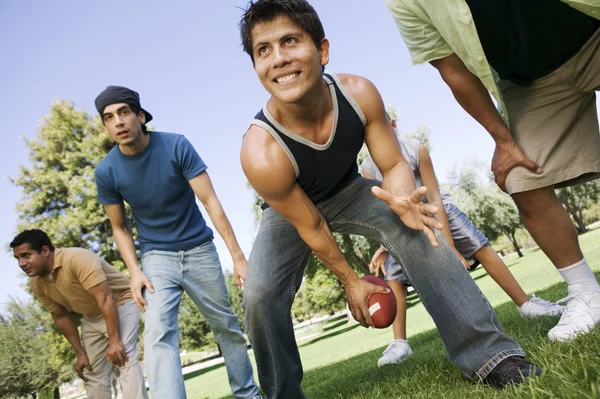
pixel 324 52
pixel 394 125
pixel 45 250
pixel 142 117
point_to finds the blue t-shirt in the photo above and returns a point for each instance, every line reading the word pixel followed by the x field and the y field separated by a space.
pixel 155 184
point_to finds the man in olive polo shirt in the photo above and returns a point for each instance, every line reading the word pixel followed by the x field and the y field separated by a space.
pixel 78 280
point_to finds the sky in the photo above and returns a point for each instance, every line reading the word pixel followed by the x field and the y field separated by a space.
pixel 185 60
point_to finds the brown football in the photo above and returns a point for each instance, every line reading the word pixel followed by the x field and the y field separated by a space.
pixel 382 307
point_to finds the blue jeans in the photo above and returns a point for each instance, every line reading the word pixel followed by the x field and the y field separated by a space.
pixel 197 272
pixel 467 323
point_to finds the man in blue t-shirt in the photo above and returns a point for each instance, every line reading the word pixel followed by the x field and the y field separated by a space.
pixel 158 175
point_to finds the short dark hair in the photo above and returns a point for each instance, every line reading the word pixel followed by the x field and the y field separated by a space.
pixel 299 11
pixel 37 239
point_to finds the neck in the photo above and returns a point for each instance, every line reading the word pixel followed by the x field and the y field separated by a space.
pixel 311 110
pixel 50 267
pixel 137 145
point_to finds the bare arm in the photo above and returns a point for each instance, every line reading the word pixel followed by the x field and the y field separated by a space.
pixel 271 174
pixel 433 191
pixel 205 192
pixel 398 184
pixel 106 302
pixel 126 246
pixel 434 197
pixel 474 98
pixel 67 327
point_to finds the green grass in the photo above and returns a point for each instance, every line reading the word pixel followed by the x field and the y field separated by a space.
pixel 341 362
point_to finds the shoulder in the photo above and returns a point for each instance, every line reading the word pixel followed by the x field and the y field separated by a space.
pixel 364 93
pixel 105 164
pixel 34 285
pixel 264 161
pixel 74 257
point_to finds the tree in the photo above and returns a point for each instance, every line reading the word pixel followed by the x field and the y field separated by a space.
pixel 489 209
pixel 422 135
pixel 29 350
pixel 59 193
pixel 194 330
pixel 577 198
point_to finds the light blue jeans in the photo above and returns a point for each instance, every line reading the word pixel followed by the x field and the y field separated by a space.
pixel 467 323
pixel 197 272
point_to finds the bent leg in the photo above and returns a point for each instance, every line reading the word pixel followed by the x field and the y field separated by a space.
pixel 275 271
pixel 95 343
pixel 466 321
pixel 498 271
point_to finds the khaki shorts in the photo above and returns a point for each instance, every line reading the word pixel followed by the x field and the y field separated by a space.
pixel 555 121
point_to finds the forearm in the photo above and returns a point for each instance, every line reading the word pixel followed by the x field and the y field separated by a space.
pixel 321 241
pixel 221 222
pixel 474 98
pixel 109 310
pixel 67 327
pixel 399 180
pixel 126 246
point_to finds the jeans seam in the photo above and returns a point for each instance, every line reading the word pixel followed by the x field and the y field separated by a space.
pixel 487 368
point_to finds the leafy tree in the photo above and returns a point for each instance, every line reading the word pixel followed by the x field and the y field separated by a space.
pixel 578 198
pixel 422 135
pixel 59 193
pixel 489 209
pixel 30 359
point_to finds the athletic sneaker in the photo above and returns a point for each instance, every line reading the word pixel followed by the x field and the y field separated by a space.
pixel 396 352
pixel 536 307
pixel 512 370
pixel 580 316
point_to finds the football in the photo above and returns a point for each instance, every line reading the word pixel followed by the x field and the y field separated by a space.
pixel 382 307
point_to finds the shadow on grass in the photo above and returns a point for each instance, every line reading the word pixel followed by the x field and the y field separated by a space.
pixel 329 335
pixel 202 371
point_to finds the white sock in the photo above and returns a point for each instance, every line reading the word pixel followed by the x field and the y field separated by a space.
pixel 580 276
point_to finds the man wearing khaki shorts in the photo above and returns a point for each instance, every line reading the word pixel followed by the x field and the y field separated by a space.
pixel 540 59
pixel 75 279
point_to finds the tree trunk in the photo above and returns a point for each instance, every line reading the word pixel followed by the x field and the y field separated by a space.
pixel 515 244
pixel 355 259
pixel 578 216
pixel 57 393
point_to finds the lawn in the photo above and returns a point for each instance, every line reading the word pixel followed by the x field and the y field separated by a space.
pixel 341 362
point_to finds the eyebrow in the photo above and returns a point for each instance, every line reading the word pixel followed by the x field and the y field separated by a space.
pixel 120 109
pixel 285 35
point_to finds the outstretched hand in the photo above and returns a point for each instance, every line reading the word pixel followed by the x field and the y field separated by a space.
pixel 506 157
pixel 413 213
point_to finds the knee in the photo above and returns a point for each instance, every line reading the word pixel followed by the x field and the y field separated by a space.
pixel 531 203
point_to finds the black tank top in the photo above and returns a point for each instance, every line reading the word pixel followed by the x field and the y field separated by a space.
pixel 323 169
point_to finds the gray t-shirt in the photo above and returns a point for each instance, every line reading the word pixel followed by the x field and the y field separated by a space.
pixel 410 151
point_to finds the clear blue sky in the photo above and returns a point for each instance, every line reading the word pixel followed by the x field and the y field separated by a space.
pixel 185 60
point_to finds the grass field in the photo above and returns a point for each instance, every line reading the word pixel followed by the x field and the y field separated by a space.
pixel 342 361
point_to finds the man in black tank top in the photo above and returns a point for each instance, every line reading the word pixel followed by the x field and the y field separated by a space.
pixel 300 156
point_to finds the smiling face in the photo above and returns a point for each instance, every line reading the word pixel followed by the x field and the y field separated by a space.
pixel 32 262
pixel 286 59
pixel 122 124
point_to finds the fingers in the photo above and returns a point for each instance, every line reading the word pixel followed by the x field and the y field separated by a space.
pixel 364 308
pixel 148 285
pixel 431 236
pixel 383 270
pixel 532 166
pixel 432 223
pixel 429 209
pixel 418 193
pixel 383 194
pixel 139 300
pixel 358 315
